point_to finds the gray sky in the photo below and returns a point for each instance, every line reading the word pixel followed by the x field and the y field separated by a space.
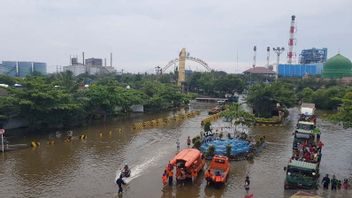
pixel 142 34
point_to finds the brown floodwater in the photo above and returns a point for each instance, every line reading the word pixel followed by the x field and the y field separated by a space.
pixel 88 168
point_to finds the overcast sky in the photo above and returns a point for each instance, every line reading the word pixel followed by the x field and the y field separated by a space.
pixel 142 34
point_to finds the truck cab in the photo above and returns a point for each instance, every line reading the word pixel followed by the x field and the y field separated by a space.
pixel 301 175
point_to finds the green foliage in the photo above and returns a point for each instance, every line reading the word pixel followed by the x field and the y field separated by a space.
pixel 41 104
pixel 238 116
pixel 263 98
pixel 306 95
pixel 344 114
pixel 228 150
pixel 211 151
pixel 328 98
pixel 215 83
pixel 207 126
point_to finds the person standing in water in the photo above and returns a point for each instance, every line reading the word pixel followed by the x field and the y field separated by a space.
pixel 246 184
pixel 189 141
pixel 178 144
pixel 119 183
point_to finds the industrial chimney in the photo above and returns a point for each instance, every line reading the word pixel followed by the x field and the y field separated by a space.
pixel 291 41
pixel 254 55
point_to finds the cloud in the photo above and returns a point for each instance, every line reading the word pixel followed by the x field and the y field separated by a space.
pixel 144 33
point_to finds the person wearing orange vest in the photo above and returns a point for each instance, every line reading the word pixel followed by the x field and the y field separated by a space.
pixel 217 177
pixel 171 175
pixel 164 177
pixel 194 174
pixel 208 176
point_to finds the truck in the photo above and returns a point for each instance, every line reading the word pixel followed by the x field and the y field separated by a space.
pixel 306 131
pixel 301 175
pixel 307 113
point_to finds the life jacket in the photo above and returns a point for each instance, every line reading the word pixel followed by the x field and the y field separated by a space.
pixel 171 173
pixel 164 179
pixel 218 178
pixel 194 173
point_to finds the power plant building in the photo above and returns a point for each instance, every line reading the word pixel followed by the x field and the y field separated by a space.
pixel 22 68
pixel 314 55
pixel 299 70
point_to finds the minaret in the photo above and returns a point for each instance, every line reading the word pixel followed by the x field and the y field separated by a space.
pixel 291 41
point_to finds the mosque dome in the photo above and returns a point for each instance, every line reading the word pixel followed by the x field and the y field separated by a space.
pixel 337 67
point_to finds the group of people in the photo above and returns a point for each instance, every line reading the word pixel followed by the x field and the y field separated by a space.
pixel 335 183
pixel 182 174
pixel 308 152
pixel 168 175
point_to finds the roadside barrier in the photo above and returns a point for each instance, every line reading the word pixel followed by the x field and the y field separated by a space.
pixel 51 142
pixel 35 144
pixel 83 137
pixel 210 118
pixel 159 122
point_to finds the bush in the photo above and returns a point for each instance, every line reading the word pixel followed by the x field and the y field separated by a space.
pixel 211 151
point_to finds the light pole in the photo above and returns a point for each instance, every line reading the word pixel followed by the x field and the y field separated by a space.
pixel 278 51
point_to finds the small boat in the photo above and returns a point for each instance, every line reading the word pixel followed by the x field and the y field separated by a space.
pixel 219 170
pixel 188 162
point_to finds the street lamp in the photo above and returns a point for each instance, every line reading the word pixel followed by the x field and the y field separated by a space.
pixel 278 51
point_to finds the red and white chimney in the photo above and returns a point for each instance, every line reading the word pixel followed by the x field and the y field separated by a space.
pixel 292 41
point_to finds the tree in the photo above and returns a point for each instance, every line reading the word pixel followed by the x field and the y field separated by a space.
pixel 237 116
pixel 344 114
pixel 263 98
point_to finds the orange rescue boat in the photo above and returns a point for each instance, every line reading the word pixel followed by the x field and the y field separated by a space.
pixel 218 170
pixel 188 162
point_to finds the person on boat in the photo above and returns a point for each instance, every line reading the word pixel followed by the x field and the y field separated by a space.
pixel 217 176
pixel 334 182
pixel 194 174
pixel 171 176
pixel 247 182
pixel 189 141
pixel 208 176
pixel 326 181
pixel 164 177
pixel 126 172
pixel 119 183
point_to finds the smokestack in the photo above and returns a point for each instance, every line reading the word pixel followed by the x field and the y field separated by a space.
pixel 111 59
pixel 291 41
pixel 254 55
pixel 83 58
pixel 104 62
pixel 268 56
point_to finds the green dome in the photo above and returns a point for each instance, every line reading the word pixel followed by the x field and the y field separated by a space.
pixel 337 67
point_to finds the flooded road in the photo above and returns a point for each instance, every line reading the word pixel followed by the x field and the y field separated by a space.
pixel 87 168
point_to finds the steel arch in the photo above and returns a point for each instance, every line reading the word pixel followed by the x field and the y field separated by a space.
pixel 197 60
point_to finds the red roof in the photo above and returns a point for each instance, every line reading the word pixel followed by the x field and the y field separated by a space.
pixel 259 70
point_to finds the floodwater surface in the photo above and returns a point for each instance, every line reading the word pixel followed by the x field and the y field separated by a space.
pixel 87 168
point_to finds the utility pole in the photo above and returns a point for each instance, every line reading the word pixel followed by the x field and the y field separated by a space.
pixel 278 51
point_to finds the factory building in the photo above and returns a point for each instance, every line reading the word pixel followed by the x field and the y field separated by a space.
pixel 91 66
pixel 314 55
pixel 22 68
pixel 299 70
